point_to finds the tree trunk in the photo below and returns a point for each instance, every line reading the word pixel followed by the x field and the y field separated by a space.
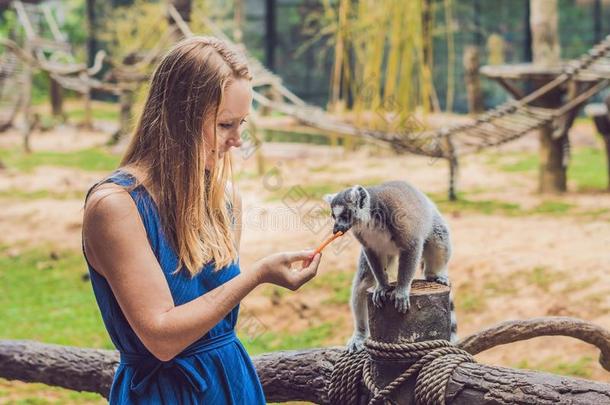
pixel 299 375
pixel 91 32
pixel 125 117
pixel 184 8
pixel 56 94
pixel 473 82
pixel 546 52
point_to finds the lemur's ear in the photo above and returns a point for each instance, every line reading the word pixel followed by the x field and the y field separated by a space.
pixel 329 197
pixel 359 195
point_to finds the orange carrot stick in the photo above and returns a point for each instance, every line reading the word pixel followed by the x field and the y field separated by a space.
pixel 323 245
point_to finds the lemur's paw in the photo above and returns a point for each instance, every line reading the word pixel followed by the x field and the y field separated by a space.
pixel 444 280
pixel 401 300
pixel 380 294
pixel 355 343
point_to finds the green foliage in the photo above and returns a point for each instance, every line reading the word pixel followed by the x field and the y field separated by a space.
pixel 8 22
pixel 75 25
pixel 94 159
pixel 133 28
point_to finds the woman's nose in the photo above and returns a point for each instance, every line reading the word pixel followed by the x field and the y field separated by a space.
pixel 234 141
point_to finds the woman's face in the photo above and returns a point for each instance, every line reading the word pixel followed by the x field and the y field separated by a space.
pixel 232 113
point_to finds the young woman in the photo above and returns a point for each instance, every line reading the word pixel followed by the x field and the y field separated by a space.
pixel 161 239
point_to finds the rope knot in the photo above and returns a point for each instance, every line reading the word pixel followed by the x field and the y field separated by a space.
pixel 434 361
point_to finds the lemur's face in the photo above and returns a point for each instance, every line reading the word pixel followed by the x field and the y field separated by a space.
pixel 348 207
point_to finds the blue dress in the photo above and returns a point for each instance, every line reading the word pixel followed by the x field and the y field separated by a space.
pixel 216 369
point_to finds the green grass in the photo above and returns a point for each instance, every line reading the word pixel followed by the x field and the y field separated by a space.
pixel 18 194
pixel 552 207
pixel 41 394
pixel 338 283
pixel 579 368
pixel 487 207
pixel 267 341
pixel 471 301
pixel 285 136
pixel 99 112
pixel 542 277
pixel 44 298
pixel 93 159
pixel 496 207
pixel 587 167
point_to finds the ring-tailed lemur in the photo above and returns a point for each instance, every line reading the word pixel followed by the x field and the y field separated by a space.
pixel 397 226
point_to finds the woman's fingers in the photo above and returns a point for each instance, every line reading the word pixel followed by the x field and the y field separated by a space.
pixel 300 255
pixel 309 272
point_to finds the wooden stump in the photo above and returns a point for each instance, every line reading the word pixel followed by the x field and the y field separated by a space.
pixel 428 318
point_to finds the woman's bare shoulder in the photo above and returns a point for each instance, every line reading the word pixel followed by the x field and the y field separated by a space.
pixel 107 198
pixel 110 218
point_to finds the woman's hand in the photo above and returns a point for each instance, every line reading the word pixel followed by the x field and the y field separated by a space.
pixel 277 268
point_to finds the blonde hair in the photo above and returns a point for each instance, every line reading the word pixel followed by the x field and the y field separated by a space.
pixel 186 90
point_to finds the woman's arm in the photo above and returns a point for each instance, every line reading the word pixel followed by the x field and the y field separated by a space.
pixel 117 247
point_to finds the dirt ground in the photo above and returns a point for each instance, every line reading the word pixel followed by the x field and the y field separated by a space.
pixel 494 255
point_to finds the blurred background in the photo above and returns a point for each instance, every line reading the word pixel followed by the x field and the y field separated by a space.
pixel 73 79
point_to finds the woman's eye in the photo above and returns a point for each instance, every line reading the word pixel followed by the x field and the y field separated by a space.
pixel 226 126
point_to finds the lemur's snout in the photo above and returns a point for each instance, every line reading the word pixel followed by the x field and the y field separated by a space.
pixel 341 227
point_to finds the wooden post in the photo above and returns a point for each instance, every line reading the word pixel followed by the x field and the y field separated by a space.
pixel 473 83
pixel 88 116
pixel 428 318
pixel 56 94
pixel 126 102
pixel 546 52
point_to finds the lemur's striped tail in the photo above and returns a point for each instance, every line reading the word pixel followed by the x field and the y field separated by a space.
pixel 453 338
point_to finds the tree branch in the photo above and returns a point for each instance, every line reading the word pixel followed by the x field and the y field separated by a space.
pixel 514 331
